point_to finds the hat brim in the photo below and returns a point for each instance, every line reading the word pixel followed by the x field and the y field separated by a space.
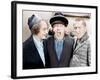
pixel 59 18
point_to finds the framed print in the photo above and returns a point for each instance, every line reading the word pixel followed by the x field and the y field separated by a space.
pixel 31 57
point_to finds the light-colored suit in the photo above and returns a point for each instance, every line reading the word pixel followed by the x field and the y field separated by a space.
pixel 82 53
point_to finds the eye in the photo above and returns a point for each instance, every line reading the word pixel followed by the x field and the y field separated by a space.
pixel 75 27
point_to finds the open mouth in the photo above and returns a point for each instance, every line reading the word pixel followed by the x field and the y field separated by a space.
pixel 58 33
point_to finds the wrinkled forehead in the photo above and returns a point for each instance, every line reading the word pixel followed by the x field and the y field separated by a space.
pixel 80 23
pixel 43 22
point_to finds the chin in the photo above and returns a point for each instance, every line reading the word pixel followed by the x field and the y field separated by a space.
pixel 79 37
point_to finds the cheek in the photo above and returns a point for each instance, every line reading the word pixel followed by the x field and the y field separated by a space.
pixel 63 29
pixel 81 31
pixel 41 33
pixel 54 29
pixel 76 33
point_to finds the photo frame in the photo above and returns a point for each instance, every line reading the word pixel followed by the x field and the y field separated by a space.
pixel 20 11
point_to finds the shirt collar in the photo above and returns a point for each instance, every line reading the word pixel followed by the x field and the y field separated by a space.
pixel 37 38
pixel 38 42
pixel 59 39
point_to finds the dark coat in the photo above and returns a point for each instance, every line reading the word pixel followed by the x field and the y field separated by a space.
pixel 66 55
pixel 31 57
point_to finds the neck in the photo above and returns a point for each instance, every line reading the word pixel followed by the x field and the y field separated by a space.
pixel 37 37
pixel 59 37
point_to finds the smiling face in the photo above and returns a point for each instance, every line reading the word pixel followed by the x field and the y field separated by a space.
pixel 79 28
pixel 59 30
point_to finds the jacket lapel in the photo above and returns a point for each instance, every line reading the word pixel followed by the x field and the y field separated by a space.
pixel 63 55
pixel 34 49
pixel 53 47
pixel 64 51
pixel 47 59
pixel 52 52
pixel 82 42
pixel 79 46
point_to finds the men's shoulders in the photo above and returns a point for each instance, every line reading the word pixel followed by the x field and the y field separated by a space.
pixel 28 41
pixel 50 38
pixel 69 38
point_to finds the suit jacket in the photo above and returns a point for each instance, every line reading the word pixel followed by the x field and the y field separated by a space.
pixel 81 54
pixel 65 55
pixel 31 57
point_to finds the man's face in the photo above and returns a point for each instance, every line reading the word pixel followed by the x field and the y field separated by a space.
pixel 43 30
pixel 59 30
pixel 79 29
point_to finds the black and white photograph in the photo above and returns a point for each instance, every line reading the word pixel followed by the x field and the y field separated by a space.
pixel 53 39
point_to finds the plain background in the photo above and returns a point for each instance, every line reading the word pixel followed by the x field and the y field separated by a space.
pixel 5 40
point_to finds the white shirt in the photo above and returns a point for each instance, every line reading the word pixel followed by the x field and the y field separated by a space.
pixel 39 46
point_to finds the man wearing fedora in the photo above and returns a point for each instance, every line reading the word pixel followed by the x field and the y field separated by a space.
pixel 34 48
pixel 59 46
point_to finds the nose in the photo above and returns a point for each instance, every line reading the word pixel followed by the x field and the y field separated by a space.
pixel 77 30
pixel 58 27
pixel 46 31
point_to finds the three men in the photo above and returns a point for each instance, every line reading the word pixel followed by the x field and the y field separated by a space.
pixel 58 50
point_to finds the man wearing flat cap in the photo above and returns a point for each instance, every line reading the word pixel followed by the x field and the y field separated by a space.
pixel 59 46
pixel 34 48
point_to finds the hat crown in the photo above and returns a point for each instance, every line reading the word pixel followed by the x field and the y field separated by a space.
pixel 59 18
pixel 58 13
pixel 33 20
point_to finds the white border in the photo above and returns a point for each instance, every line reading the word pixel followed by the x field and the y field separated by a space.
pixel 36 72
